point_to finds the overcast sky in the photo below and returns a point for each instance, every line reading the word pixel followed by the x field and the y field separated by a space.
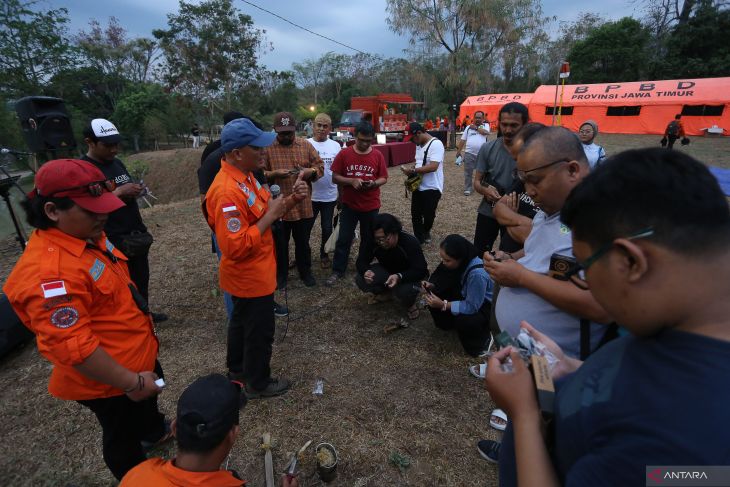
pixel 358 24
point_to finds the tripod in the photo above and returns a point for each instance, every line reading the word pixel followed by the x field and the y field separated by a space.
pixel 7 181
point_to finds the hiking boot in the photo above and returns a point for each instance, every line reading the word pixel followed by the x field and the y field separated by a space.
pixel 276 387
pixel 309 280
pixel 489 450
pixel 280 310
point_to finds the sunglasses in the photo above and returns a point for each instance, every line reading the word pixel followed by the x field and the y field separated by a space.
pixel 577 274
pixel 96 188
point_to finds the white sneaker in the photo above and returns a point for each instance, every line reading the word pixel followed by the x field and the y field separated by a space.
pixel 479 371
pixel 467 192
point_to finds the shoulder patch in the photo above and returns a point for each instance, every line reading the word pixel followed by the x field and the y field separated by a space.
pixel 233 225
pixel 564 229
pixel 53 289
pixel 97 269
pixel 65 317
pixel 229 207
pixel 109 246
pixel 51 303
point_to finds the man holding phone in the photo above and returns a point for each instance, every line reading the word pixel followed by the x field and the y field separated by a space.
pixel 360 171
pixel 283 161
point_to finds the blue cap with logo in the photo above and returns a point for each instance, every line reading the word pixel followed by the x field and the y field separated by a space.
pixel 241 133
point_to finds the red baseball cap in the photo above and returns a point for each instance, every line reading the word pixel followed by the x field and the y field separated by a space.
pixel 79 180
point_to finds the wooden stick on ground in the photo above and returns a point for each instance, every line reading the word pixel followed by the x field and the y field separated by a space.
pixel 268 461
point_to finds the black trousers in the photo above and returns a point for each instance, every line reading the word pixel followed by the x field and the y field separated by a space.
pixel 327 209
pixel 124 424
pixel 349 219
pixel 250 338
pixel 671 139
pixel 423 212
pixel 473 330
pixel 486 233
pixel 301 230
pixel 406 292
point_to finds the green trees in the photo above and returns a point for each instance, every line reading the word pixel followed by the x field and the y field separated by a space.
pixel 209 49
pixel 615 51
pixel 33 47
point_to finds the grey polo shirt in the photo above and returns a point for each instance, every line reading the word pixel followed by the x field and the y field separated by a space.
pixel 548 236
pixel 494 159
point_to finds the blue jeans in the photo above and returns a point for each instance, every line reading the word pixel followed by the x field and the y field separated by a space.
pixel 349 219
pixel 226 297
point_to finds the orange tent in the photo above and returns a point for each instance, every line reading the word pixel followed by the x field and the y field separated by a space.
pixel 641 107
pixel 491 104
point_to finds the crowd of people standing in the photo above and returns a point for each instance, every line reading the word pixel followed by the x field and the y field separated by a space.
pixel 576 248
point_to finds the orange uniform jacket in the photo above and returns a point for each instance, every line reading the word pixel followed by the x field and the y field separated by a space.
pixel 76 298
pixel 160 473
pixel 233 205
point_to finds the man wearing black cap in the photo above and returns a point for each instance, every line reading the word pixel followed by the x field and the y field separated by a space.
pixel 206 428
pixel 124 228
pixel 430 165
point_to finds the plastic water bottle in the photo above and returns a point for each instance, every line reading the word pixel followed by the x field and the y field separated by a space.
pixel 459 159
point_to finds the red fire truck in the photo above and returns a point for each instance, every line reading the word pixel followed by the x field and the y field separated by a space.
pixel 389 113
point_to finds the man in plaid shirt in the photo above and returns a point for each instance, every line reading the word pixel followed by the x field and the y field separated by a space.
pixel 283 160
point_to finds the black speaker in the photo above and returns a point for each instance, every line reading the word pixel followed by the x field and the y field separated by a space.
pixel 12 331
pixel 46 123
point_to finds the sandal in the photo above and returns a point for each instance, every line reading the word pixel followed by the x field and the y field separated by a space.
pixel 498 420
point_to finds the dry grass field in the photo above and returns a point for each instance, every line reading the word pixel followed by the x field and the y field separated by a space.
pixel 407 394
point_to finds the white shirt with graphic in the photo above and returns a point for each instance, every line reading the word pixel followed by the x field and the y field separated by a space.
pixel 323 189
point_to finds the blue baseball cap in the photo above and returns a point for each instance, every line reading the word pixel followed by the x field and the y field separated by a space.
pixel 241 133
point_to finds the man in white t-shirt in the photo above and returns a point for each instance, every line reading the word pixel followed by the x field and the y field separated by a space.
pixel 324 191
pixel 474 136
pixel 429 164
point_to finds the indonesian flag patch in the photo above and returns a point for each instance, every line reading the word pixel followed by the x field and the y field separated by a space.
pixel 229 207
pixel 53 289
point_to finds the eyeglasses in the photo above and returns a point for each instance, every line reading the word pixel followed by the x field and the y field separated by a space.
pixel 96 188
pixel 586 132
pixel 577 274
pixel 521 175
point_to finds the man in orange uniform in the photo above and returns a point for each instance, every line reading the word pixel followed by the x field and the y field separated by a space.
pixel 240 211
pixel 206 428
pixel 71 287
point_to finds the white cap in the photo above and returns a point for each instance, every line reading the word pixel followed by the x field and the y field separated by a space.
pixel 105 131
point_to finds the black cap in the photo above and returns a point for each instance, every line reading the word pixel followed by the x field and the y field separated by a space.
pixel 414 127
pixel 206 412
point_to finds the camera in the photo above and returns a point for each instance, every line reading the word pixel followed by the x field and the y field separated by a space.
pixel 560 265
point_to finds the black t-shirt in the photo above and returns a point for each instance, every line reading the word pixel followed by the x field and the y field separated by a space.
pixel 216 144
pixel 526 207
pixel 195 131
pixel 127 218
pixel 210 166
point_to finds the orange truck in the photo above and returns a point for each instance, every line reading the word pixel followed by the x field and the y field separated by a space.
pixel 389 113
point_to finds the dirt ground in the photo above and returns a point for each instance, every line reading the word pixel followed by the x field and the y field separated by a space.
pixel 405 394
